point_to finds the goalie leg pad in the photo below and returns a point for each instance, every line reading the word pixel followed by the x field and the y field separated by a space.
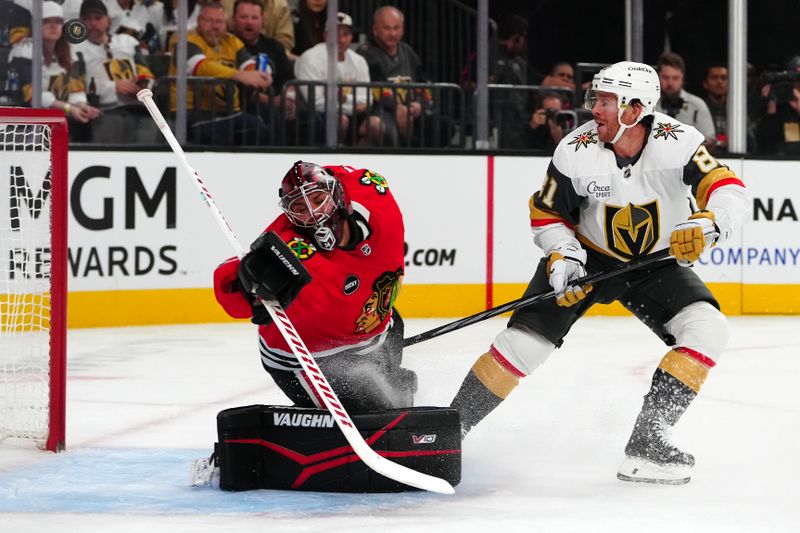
pixel 292 448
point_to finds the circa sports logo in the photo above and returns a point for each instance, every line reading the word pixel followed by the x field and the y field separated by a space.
pixel 599 191
pixel 666 130
pixel 302 249
pixel 584 139
pixel 372 178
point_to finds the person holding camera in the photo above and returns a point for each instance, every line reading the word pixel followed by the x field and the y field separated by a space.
pixel 779 128
pixel 546 130
pixel 683 106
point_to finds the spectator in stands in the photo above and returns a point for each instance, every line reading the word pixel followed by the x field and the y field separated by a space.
pixel 779 128
pixel 561 75
pixel 135 10
pixel 276 21
pixel 678 103
pixel 309 24
pixel 15 25
pixel 508 66
pixel 715 84
pixel 114 73
pixel 215 53
pixel 546 130
pixel 392 60
pixel 355 121
pixel 164 17
pixel 62 87
pixel 247 23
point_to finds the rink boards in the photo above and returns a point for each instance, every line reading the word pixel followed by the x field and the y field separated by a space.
pixel 143 245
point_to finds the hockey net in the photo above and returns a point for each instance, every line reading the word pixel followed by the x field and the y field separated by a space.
pixel 33 285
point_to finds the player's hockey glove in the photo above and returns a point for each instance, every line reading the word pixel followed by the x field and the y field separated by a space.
pixel 565 264
pixel 271 271
pixel 690 238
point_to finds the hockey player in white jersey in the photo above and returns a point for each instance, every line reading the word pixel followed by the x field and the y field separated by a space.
pixel 627 184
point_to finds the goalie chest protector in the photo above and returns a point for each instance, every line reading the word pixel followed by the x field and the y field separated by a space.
pixel 293 448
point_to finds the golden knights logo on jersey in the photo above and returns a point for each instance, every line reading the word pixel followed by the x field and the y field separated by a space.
pixel 632 230
pixel 120 69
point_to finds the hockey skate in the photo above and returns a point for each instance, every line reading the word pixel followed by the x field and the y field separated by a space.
pixel 651 457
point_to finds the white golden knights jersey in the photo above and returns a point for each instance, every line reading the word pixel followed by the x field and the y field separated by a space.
pixel 118 59
pixel 626 209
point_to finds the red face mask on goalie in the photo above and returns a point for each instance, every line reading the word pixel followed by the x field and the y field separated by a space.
pixel 313 198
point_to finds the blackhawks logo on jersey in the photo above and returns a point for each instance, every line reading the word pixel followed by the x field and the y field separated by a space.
pixel 632 230
pixel 380 301
pixel 302 249
pixel 371 178
pixel 584 139
pixel 666 130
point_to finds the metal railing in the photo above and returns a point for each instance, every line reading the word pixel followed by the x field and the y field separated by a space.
pixel 440 123
pixel 511 107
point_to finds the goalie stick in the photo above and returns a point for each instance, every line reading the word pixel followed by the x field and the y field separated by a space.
pixel 522 302
pixel 318 381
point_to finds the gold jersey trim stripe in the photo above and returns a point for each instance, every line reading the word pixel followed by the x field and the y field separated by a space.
pixel 708 180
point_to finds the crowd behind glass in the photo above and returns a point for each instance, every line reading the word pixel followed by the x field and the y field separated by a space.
pixel 257 70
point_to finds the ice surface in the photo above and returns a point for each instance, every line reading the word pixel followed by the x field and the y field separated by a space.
pixel 142 404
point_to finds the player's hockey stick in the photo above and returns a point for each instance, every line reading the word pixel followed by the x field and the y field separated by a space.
pixel 522 302
pixel 318 381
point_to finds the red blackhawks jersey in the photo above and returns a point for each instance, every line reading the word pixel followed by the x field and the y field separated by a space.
pixel 627 208
pixel 348 303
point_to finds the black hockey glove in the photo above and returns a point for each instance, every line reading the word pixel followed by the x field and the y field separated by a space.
pixel 271 271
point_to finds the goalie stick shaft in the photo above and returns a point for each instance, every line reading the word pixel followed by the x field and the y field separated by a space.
pixel 317 379
pixel 522 302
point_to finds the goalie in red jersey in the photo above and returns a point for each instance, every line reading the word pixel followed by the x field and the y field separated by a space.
pixel 338 287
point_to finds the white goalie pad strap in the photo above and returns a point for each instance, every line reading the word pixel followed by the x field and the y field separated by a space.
pixel 702 328
pixel 523 349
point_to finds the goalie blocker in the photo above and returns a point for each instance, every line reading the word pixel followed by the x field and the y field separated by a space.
pixel 293 448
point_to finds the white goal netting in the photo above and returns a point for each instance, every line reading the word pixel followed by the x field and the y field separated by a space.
pixel 25 288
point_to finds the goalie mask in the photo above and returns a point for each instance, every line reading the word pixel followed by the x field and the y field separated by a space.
pixel 630 82
pixel 312 197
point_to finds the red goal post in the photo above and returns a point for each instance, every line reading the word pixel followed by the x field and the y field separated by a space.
pixel 33 275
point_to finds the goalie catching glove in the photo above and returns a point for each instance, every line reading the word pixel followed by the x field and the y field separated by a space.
pixel 690 238
pixel 271 271
pixel 565 263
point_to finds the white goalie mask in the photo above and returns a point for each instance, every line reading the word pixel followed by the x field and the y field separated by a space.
pixel 312 198
pixel 629 81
